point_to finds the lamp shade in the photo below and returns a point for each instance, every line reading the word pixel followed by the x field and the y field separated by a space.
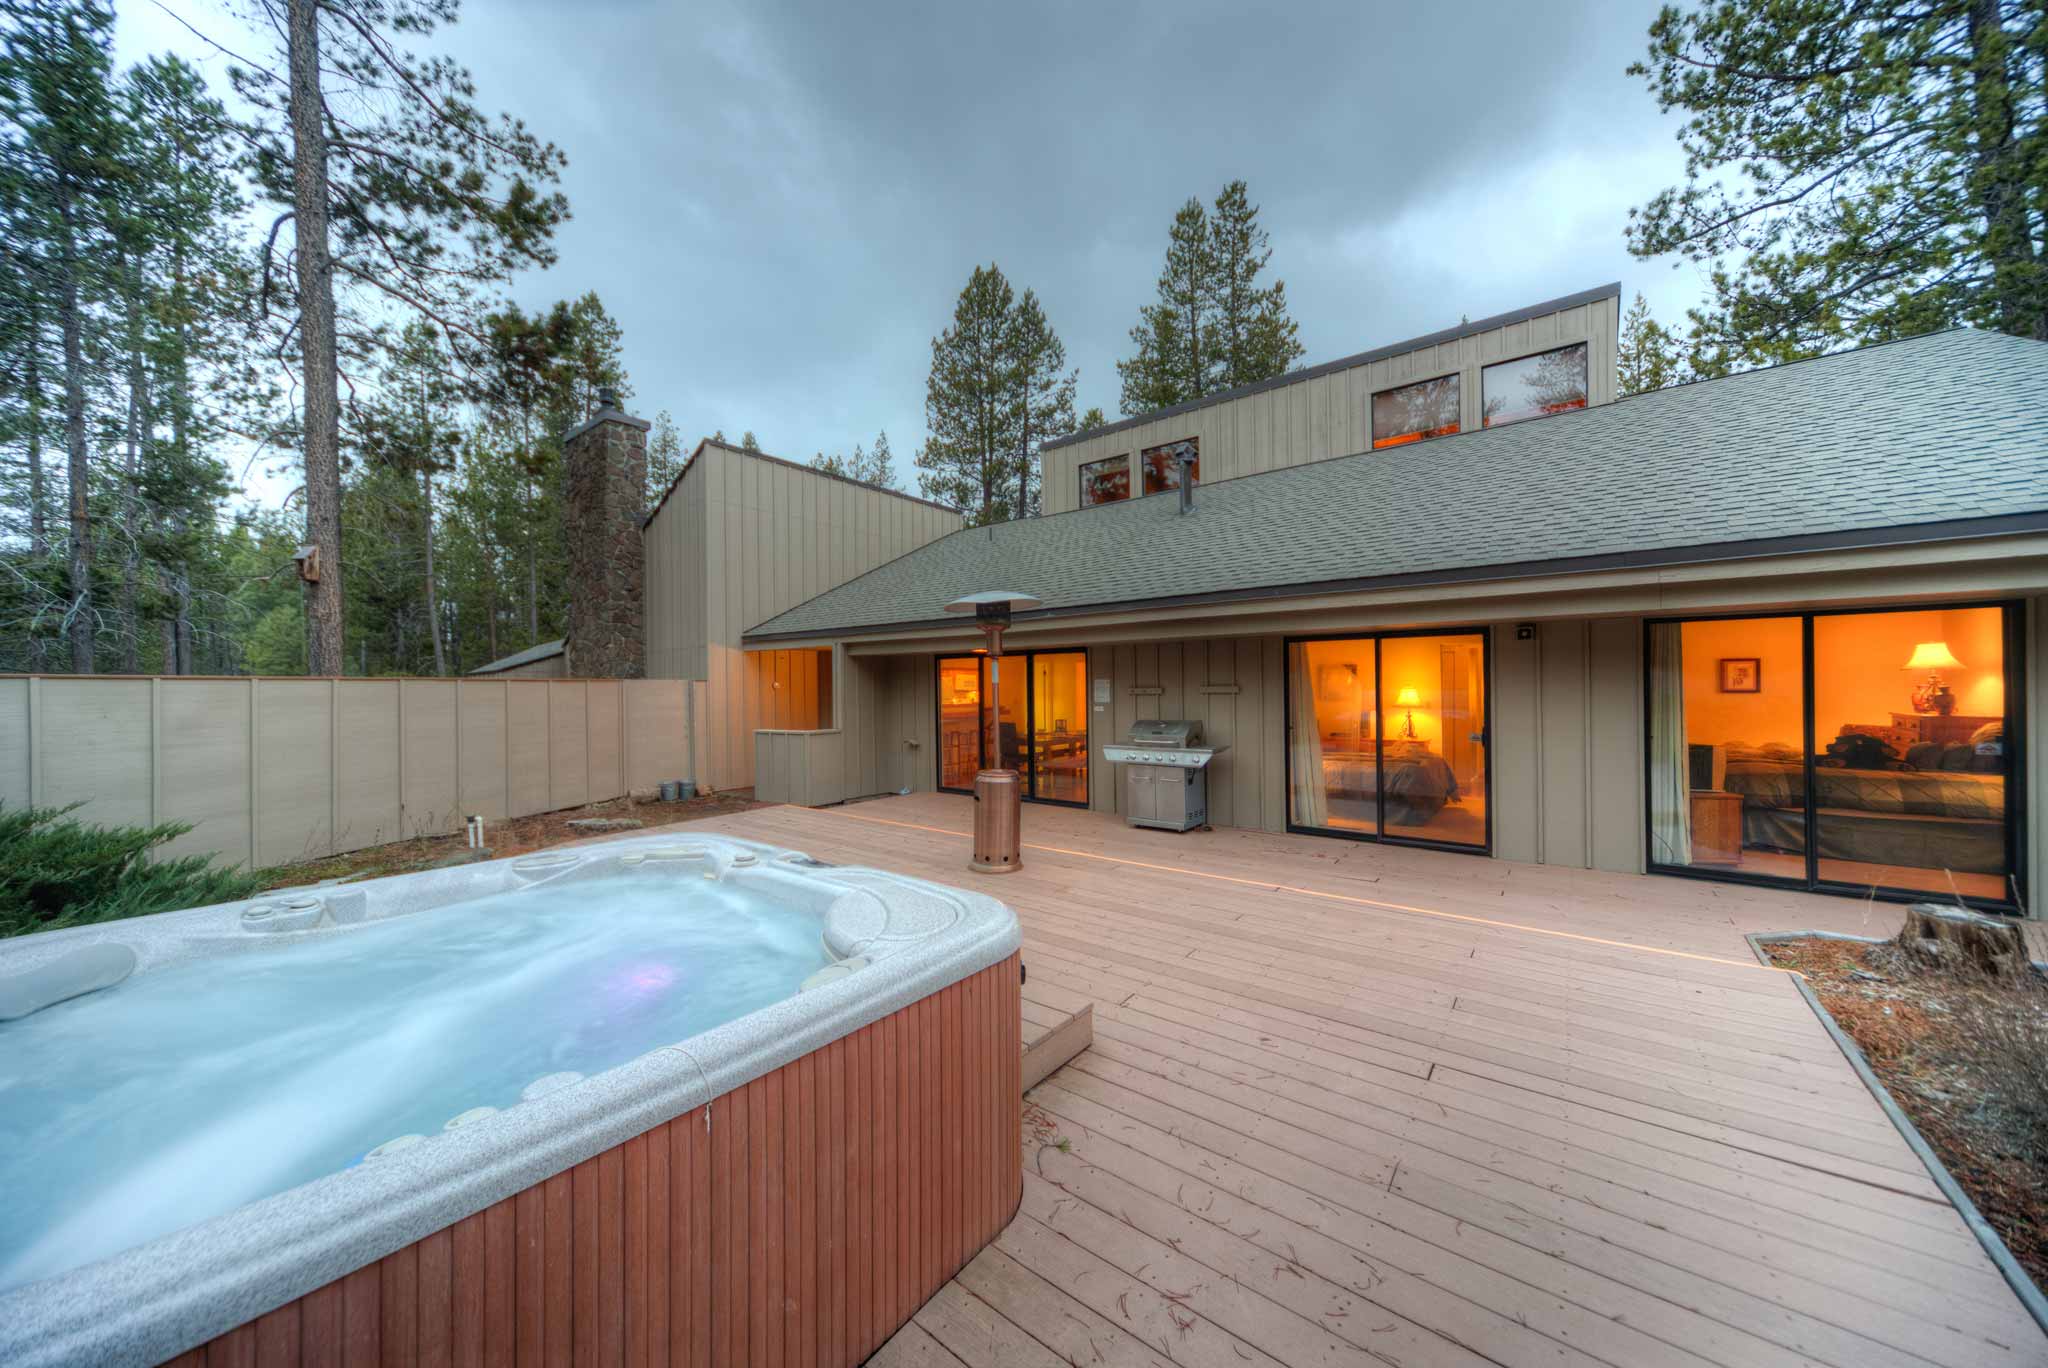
pixel 1932 655
pixel 1408 698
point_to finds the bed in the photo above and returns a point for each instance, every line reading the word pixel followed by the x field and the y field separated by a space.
pixel 1921 818
pixel 1418 786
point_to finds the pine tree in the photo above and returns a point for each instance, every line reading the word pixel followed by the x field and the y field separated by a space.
pixel 1093 418
pixel 1648 354
pixel 1045 395
pixel 1853 174
pixel 65 169
pixel 664 456
pixel 1213 326
pixel 869 467
pixel 1174 362
pixel 1255 339
pixel 409 432
pixel 403 197
pixel 972 416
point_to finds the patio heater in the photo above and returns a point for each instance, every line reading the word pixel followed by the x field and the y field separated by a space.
pixel 997 791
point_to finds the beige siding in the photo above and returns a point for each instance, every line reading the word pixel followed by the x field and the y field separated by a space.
pixel 1565 725
pixel 1316 419
pixel 742 538
pixel 807 768
pixel 269 771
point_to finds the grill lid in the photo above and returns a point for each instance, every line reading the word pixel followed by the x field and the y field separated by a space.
pixel 1181 732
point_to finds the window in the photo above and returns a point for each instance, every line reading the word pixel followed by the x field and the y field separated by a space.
pixel 1548 382
pixel 1162 464
pixel 1862 750
pixel 1386 737
pixel 1106 481
pixel 1409 413
pixel 1038 726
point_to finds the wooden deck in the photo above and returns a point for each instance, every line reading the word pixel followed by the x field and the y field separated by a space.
pixel 1350 1103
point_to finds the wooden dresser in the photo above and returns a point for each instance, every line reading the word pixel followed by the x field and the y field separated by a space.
pixel 1908 729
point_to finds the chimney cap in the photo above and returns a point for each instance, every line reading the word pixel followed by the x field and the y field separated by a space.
pixel 608 397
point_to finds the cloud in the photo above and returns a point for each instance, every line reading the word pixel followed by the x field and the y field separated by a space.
pixel 780 201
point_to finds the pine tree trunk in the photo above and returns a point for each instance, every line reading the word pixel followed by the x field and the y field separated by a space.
pixel 186 664
pixel 322 426
pixel 80 627
pixel 2001 193
pixel 427 530
pixel 38 493
pixel 131 558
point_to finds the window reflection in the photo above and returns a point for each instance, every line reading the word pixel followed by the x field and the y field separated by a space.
pixel 1532 386
pixel 1907 767
pixel 1162 464
pixel 1409 413
pixel 1106 481
pixel 1402 744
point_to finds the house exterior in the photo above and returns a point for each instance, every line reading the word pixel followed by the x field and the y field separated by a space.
pixel 1783 627
pixel 739 537
pixel 548 660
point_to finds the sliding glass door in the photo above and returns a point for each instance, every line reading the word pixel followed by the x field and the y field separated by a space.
pixel 1872 751
pixel 1039 708
pixel 1386 738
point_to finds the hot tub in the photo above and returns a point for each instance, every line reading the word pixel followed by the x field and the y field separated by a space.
pixel 693 1092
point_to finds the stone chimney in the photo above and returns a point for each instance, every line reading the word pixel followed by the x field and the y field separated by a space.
pixel 606 474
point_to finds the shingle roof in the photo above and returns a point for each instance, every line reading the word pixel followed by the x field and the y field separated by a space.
pixel 518 658
pixel 1940 429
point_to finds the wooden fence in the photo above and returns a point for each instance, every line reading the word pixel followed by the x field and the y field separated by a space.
pixel 275 770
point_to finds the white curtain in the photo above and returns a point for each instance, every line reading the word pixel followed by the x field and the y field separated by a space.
pixel 1307 801
pixel 1670 774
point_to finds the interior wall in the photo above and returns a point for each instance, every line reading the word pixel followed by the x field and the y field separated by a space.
pixel 1859 665
pixel 1775 714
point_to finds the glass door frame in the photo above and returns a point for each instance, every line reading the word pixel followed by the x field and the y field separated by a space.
pixel 1379 833
pixel 1028 659
pixel 2012 633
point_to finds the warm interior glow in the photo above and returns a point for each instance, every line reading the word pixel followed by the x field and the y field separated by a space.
pixel 1933 655
pixel 1408 698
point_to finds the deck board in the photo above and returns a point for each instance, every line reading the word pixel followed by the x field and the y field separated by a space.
pixel 1350 1103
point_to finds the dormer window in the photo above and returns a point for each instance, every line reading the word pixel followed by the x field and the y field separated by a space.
pixel 1106 481
pixel 1533 386
pixel 1162 464
pixel 1409 413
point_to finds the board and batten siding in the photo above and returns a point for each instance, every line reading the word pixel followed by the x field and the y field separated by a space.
pixel 742 538
pixel 269 771
pixel 1565 724
pixel 1328 415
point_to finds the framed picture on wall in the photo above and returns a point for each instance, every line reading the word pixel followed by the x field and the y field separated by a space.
pixel 1336 683
pixel 1742 674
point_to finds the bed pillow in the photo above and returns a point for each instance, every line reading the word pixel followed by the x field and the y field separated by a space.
pixel 1990 731
pixel 1956 759
pixel 1925 756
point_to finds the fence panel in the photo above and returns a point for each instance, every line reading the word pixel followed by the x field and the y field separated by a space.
pixel 271 771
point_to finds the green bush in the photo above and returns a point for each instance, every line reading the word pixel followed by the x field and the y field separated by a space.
pixel 58 872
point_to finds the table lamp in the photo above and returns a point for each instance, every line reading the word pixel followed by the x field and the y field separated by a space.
pixel 1411 700
pixel 1933 696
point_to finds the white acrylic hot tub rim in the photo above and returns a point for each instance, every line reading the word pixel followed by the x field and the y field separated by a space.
pixel 158 1299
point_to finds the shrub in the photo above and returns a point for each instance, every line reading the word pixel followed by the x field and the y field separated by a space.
pixel 55 871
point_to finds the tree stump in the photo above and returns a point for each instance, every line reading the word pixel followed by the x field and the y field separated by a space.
pixel 1955 939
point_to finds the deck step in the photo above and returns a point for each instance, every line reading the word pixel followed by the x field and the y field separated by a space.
pixel 1058 1045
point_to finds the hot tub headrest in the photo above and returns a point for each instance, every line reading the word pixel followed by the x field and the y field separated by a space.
pixel 84 970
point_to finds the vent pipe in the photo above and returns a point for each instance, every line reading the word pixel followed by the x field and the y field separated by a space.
pixel 1185 459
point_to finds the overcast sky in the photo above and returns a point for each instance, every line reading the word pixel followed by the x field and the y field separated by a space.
pixel 780 202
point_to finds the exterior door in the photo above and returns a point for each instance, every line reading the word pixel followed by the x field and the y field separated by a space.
pixel 1387 738
pixel 1038 705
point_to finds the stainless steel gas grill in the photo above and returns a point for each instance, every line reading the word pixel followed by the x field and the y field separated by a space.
pixel 1166 774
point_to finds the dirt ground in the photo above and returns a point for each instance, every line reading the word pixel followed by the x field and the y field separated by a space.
pixel 1967 1060
pixel 515 836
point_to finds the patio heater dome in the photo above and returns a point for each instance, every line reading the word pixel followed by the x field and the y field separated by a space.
pixel 998 816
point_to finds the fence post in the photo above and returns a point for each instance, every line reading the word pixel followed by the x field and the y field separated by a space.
pixel 35 740
pixel 255 763
pixel 156 750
